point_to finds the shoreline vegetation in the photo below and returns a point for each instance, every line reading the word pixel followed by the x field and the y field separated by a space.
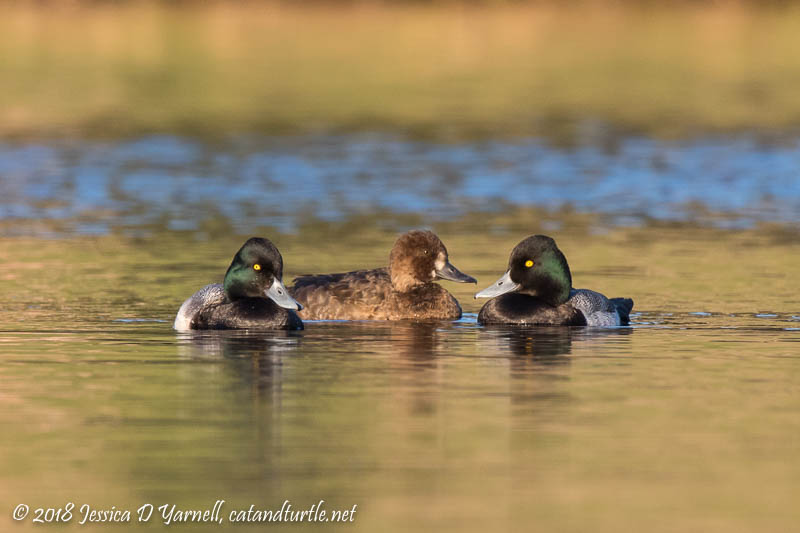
pixel 445 71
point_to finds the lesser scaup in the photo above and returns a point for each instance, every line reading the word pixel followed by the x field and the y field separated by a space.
pixel 252 295
pixel 404 290
pixel 537 290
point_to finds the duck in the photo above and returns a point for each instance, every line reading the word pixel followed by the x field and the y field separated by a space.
pixel 406 289
pixel 537 290
pixel 252 295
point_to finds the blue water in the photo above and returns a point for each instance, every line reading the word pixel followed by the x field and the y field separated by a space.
pixel 280 182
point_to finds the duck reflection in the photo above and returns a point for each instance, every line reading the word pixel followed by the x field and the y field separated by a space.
pixel 534 346
pixel 415 343
pixel 254 356
pixel 543 345
pixel 231 393
pixel 547 345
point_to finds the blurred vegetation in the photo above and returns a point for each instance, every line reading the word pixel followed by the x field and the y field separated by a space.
pixel 443 70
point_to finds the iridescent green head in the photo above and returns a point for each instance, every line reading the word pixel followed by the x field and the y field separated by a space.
pixel 537 268
pixel 257 272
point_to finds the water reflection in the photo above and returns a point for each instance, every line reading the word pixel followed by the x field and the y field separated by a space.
pixel 417 344
pixel 182 184
pixel 399 417
pixel 536 346
pixel 545 345
pixel 236 344
pixel 254 357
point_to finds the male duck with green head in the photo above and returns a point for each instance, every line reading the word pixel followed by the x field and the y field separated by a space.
pixel 537 290
pixel 252 296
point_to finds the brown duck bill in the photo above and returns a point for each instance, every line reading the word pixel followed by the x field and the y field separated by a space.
pixel 451 273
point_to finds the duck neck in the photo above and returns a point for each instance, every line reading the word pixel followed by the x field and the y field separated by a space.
pixel 402 281
pixel 557 295
pixel 233 283
pixel 556 282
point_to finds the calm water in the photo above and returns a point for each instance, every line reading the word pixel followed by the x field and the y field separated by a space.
pixel 686 421
pixel 282 182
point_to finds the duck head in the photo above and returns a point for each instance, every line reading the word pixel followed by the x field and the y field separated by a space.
pixel 536 268
pixel 257 272
pixel 420 257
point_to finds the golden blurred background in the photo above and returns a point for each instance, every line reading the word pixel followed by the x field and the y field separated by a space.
pixel 444 70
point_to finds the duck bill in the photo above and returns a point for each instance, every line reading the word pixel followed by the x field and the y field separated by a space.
pixel 451 273
pixel 278 294
pixel 501 286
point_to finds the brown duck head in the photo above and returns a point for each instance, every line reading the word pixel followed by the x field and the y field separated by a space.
pixel 420 257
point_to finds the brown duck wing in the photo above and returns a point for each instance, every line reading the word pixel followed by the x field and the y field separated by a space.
pixel 359 295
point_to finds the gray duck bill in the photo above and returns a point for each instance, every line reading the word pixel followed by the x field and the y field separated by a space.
pixel 501 286
pixel 278 294
pixel 451 273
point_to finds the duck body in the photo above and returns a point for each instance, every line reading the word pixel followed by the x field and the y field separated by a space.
pixel 369 295
pixel 252 295
pixel 583 308
pixel 405 290
pixel 210 308
pixel 537 290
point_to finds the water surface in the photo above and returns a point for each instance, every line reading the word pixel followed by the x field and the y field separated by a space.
pixel 687 420
pixel 283 182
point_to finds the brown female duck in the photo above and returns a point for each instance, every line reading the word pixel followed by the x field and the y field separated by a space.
pixel 404 290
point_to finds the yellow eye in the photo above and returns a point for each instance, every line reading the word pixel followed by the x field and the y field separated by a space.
pixel 256 267
pixel 528 263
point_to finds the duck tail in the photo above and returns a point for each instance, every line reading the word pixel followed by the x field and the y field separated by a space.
pixel 624 307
